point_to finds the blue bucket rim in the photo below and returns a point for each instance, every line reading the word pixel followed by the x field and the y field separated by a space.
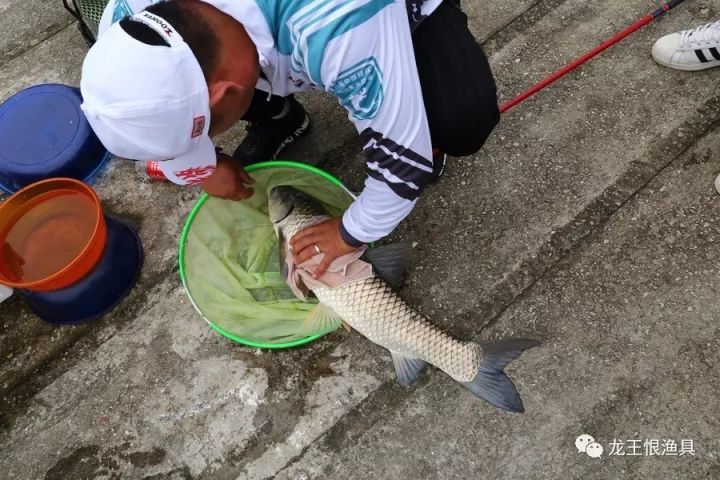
pixel 121 294
pixel 90 177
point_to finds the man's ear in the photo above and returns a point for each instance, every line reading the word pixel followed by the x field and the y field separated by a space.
pixel 223 90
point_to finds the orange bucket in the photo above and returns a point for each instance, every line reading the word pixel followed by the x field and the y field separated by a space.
pixel 52 233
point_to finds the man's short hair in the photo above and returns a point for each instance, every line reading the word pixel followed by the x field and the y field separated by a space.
pixel 190 24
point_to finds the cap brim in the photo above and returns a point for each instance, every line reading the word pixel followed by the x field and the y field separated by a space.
pixel 193 167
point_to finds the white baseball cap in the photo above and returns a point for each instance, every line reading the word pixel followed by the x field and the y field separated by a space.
pixel 149 102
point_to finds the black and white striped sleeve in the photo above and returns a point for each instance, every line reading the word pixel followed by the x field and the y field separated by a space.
pixel 403 170
pixel 396 177
pixel 372 72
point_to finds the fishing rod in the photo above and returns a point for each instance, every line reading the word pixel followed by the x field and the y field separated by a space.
pixel 591 54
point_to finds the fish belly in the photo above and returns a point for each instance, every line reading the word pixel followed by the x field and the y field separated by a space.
pixel 372 308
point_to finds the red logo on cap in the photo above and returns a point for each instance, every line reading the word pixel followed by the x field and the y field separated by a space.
pixel 195 175
pixel 198 126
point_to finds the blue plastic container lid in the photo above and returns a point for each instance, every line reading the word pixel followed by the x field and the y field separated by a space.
pixel 44 134
pixel 102 289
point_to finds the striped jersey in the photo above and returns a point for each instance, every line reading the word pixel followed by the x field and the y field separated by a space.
pixel 361 52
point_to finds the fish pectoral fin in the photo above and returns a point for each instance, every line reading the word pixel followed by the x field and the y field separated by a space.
pixel 407 369
pixel 321 319
pixel 282 252
pixel 389 262
pixel 284 271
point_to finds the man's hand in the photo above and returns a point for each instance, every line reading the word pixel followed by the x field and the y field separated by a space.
pixel 326 236
pixel 229 180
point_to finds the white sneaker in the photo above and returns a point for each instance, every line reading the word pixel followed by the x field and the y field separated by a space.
pixel 695 49
pixel 717 184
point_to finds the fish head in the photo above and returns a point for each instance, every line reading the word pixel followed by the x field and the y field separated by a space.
pixel 291 210
pixel 281 203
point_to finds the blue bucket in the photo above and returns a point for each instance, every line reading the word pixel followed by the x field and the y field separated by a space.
pixel 44 134
pixel 102 289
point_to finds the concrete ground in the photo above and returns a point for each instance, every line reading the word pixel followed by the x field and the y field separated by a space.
pixel 588 221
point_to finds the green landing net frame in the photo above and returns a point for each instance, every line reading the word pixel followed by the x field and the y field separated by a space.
pixel 229 262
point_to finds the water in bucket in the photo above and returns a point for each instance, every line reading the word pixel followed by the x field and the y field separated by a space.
pixel 49 233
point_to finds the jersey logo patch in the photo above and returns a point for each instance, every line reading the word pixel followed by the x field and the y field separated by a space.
pixel 360 89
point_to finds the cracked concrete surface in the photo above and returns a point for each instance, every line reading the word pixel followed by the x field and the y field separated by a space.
pixel 588 221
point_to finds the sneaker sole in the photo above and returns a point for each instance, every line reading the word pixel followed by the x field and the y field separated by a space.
pixel 688 68
pixel 436 176
pixel 299 132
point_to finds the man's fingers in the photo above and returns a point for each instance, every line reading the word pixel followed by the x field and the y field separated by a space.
pixel 304 233
pixel 304 239
pixel 303 255
pixel 246 179
pixel 326 261
pixel 243 194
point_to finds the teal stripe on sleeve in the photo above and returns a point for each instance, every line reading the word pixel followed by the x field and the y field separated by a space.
pixel 121 10
pixel 318 41
pixel 294 27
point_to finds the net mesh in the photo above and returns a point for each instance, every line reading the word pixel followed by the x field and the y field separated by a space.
pixel 91 11
pixel 231 261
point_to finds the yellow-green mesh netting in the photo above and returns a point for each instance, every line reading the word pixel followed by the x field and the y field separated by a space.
pixel 231 262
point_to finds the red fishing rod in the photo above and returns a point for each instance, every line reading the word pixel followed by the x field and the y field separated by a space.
pixel 591 54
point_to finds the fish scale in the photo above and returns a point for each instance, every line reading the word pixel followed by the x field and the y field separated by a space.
pixel 372 308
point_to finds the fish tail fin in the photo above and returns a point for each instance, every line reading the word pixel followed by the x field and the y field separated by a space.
pixel 491 384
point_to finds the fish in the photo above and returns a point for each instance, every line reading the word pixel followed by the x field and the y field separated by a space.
pixel 372 307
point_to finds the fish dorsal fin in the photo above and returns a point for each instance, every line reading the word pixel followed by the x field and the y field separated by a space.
pixel 407 369
pixel 389 262
pixel 321 319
